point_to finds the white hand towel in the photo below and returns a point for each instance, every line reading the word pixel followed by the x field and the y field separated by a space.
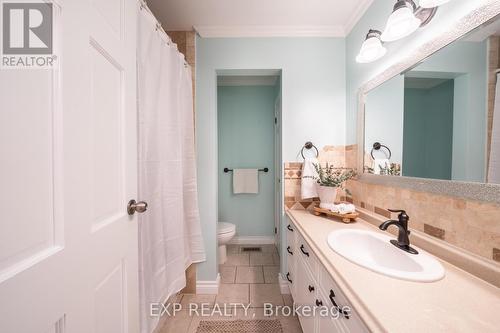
pixel 308 186
pixel 245 181
pixel 342 208
pixel 345 208
pixel 380 163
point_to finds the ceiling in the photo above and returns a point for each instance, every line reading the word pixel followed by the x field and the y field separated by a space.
pixel 260 18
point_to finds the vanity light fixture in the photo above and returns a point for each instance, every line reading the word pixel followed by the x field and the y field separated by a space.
pixel 406 17
pixel 432 3
pixel 402 21
pixel 372 48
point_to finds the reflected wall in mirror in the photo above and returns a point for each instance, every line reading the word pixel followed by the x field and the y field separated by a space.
pixel 440 120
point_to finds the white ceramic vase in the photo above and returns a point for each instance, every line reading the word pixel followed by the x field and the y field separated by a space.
pixel 327 194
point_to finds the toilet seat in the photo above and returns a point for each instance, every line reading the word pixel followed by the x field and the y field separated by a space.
pixel 224 228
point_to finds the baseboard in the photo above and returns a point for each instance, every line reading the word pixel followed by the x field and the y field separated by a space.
pixel 208 287
pixel 252 240
pixel 285 290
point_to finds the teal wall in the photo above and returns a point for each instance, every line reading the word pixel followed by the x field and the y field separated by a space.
pixel 313 103
pixel 428 132
pixel 246 140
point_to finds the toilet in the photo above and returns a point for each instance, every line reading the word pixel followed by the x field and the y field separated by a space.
pixel 225 232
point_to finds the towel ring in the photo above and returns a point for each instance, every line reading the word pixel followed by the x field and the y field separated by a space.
pixel 377 146
pixel 309 145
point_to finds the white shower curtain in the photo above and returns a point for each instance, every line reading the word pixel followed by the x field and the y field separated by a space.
pixel 494 165
pixel 170 237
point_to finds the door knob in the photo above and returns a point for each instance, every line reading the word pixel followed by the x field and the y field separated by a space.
pixel 134 206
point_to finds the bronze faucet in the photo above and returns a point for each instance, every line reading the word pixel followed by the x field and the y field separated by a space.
pixel 403 241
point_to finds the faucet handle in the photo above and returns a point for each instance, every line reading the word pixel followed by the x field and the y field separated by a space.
pixel 402 211
pixel 402 216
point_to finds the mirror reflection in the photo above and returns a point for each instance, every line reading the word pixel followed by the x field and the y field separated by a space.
pixel 441 119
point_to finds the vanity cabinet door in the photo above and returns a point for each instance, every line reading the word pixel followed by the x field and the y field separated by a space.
pixel 331 323
pixel 290 276
pixel 304 252
pixel 306 289
pixel 291 240
pixel 348 318
pixel 291 257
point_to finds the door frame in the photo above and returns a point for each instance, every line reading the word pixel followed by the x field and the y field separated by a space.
pixel 278 169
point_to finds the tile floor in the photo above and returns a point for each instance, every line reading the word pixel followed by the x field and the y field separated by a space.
pixel 248 278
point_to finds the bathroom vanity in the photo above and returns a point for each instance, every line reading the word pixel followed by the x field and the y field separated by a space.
pixel 311 285
pixel 373 302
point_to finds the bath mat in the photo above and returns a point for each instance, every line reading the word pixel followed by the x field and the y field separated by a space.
pixel 240 326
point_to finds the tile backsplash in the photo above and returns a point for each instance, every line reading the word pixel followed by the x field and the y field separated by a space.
pixel 467 224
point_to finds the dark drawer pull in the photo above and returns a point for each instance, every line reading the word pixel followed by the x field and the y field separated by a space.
pixel 288 277
pixel 319 303
pixel 289 228
pixel 304 251
pixel 288 250
pixel 332 299
pixel 311 289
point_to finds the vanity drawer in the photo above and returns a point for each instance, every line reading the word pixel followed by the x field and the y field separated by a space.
pixel 349 319
pixel 304 252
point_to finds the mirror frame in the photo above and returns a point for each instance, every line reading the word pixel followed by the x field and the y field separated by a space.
pixel 466 190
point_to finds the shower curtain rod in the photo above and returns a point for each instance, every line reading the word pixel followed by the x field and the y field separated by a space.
pixel 144 5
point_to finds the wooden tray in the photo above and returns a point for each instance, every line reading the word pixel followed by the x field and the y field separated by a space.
pixel 346 218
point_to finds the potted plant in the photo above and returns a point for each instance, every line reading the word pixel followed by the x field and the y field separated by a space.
pixel 330 179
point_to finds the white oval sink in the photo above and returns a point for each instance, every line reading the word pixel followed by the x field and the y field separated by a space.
pixel 373 251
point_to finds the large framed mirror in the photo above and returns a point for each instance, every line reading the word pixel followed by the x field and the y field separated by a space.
pixel 432 122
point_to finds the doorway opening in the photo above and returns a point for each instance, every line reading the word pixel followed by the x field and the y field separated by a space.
pixel 249 139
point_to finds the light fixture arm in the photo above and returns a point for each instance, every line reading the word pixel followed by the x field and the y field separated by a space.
pixel 425 15
pixel 373 33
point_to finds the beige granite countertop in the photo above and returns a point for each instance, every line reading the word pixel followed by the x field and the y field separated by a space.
pixel 460 302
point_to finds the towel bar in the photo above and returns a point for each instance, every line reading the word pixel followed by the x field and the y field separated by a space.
pixel 226 170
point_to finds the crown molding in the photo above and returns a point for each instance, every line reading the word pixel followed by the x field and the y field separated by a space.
pixel 357 15
pixel 208 31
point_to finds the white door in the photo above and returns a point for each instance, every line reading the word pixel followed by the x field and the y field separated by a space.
pixel 68 249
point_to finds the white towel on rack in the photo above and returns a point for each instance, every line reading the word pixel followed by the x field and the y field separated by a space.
pixel 245 181
pixel 308 186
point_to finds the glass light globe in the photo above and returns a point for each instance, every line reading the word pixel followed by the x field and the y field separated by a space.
pixel 401 23
pixel 432 3
pixel 371 49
